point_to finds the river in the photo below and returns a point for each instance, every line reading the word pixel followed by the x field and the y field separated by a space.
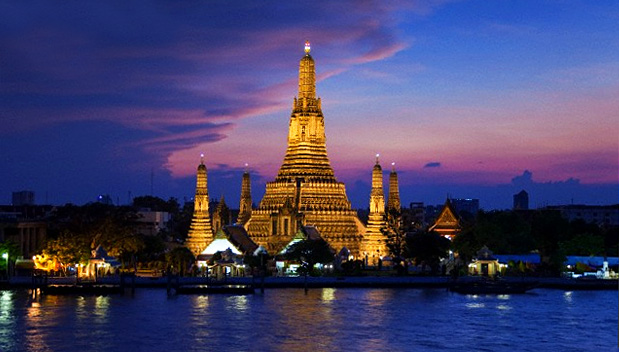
pixel 323 320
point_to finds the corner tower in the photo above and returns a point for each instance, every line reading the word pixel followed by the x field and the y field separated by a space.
pixel 374 242
pixel 305 191
pixel 393 200
pixel 200 231
pixel 245 206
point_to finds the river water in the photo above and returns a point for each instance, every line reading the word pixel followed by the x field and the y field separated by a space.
pixel 323 320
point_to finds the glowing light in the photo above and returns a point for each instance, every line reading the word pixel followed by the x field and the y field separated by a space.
pixel 5 255
pixel 307 47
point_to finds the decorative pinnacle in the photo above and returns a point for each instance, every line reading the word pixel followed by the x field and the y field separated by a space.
pixel 201 158
pixel 377 155
pixel 307 47
pixel 393 166
pixel 246 167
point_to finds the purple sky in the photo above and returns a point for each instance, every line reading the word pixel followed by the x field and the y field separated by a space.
pixel 475 99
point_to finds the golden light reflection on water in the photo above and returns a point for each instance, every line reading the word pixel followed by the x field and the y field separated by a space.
pixel 200 302
pixel 199 317
pixel 328 295
pixel 306 309
pixel 102 305
pixel 38 324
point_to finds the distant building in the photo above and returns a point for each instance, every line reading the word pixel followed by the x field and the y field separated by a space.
pixel 150 222
pixel 607 215
pixel 521 200
pixel 448 222
pixel 23 198
pixel 26 226
pixel 465 205
pixel 414 217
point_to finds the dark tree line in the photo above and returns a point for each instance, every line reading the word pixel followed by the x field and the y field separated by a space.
pixel 75 231
pixel 544 231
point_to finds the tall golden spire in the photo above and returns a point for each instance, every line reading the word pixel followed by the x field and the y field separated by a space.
pixel 393 200
pixel 305 190
pixel 374 246
pixel 245 206
pixel 200 231
pixel 377 197
pixel 306 155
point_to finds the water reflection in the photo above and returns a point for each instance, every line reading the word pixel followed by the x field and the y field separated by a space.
pixel 7 323
pixel 200 302
pixel 567 296
pixel 475 305
pixel 322 320
pixel 236 304
pixel 328 295
pixel 102 304
pixel 38 326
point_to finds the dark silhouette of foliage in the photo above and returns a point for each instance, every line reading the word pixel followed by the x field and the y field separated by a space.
pixel 310 252
pixel 427 248
pixel 179 259
pixel 394 235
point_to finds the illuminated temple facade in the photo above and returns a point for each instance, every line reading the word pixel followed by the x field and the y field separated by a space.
pixel 305 191
pixel 201 231
pixel 374 245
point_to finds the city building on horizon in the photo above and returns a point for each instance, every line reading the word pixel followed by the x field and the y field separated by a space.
pixel 22 198
pixel 521 200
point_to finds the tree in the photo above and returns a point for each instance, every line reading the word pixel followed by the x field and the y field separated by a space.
pixel 156 204
pixel 76 231
pixel 549 229
pixel 68 249
pixel 427 248
pixel 309 253
pixel 180 258
pixel 394 235
pixel 585 244
pixel 12 250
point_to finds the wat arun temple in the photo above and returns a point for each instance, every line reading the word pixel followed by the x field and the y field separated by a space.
pixel 305 192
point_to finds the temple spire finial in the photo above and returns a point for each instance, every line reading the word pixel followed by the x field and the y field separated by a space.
pixel 201 158
pixel 377 157
pixel 307 78
pixel 393 166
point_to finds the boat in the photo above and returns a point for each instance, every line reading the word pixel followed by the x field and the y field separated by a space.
pixel 485 286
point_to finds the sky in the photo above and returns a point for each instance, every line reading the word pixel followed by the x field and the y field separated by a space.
pixel 470 99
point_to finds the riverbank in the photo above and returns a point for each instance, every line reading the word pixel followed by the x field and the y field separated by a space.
pixel 326 282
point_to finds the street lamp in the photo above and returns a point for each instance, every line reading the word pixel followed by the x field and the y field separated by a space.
pixel 6 256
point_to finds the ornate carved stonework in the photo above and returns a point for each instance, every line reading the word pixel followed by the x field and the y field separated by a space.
pixel 374 241
pixel 201 231
pixel 245 206
pixel 305 191
pixel 447 223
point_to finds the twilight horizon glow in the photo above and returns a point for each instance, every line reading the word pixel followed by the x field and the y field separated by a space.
pixel 470 99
